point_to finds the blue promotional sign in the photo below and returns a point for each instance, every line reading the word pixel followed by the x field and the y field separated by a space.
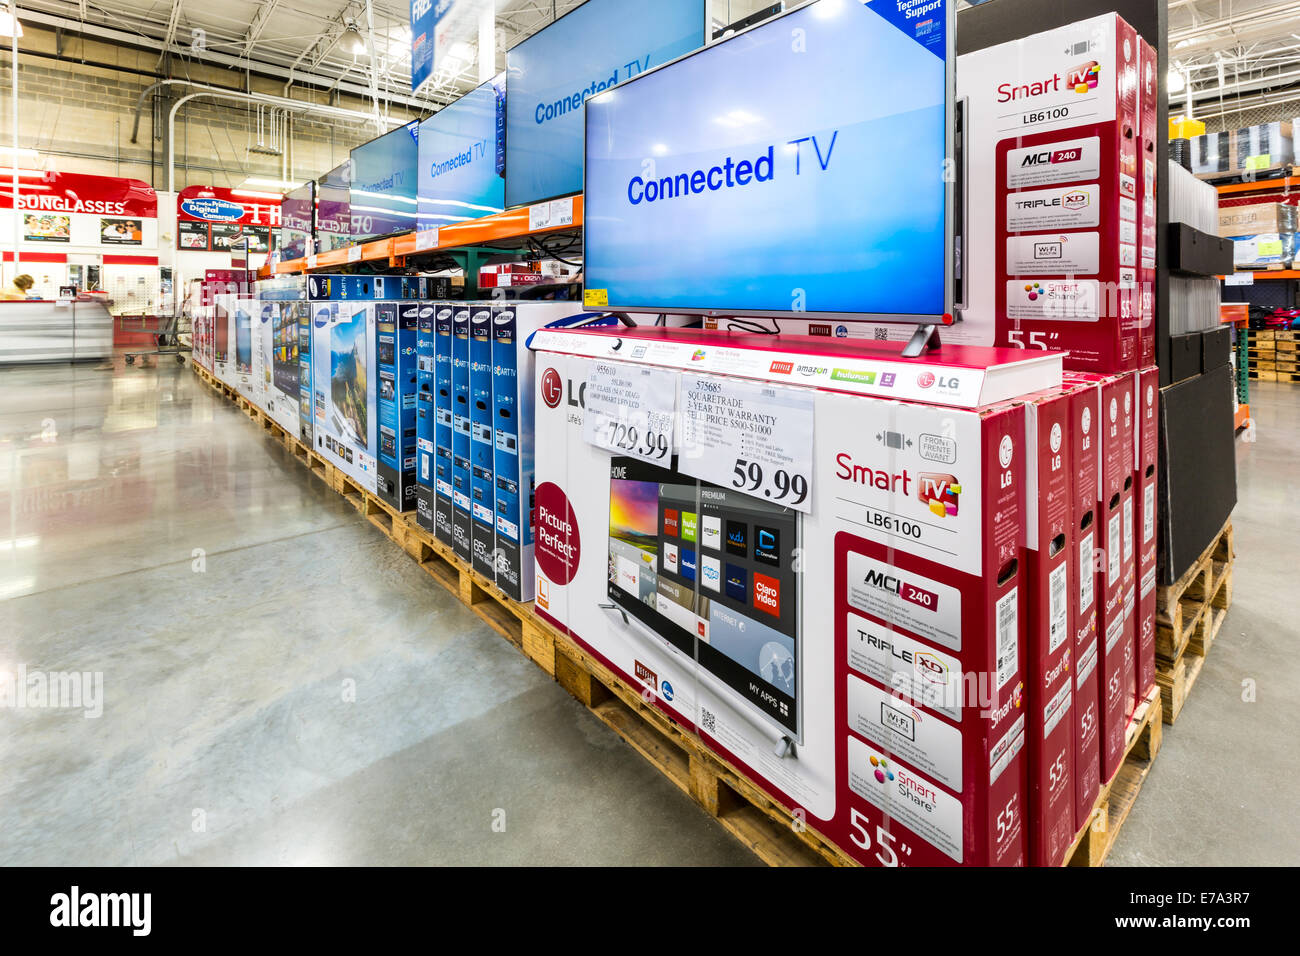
pixel 425 15
pixel 213 210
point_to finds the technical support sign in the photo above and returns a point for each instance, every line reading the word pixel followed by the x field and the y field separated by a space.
pixel 425 15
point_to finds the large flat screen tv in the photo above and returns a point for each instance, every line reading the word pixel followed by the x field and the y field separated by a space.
pixel 460 176
pixel 797 167
pixel 550 75
pixel 334 208
pixel 382 193
pixel 297 221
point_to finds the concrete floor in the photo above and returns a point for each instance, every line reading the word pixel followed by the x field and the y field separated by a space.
pixel 283 685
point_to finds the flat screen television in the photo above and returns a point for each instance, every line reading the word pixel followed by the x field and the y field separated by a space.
pixel 298 221
pixel 710 572
pixel 284 354
pixel 460 176
pixel 797 167
pixel 550 75
pixel 383 189
pixel 334 208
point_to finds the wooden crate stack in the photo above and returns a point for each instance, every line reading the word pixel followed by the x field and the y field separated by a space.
pixel 1274 355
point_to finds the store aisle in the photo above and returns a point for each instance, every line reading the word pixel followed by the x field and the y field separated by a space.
pixel 279 683
pixel 1225 789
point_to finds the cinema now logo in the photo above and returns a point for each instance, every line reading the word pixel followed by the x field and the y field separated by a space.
pixel 108 910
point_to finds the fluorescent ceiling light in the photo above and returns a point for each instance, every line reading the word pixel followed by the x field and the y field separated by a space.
pixel 273 183
pixel 254 194
pixel 1175 82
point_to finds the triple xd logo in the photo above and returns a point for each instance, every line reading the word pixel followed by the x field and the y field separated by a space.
pixel 939 492
pixel 782 368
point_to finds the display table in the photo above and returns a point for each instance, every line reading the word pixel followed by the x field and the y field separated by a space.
pixel 55 331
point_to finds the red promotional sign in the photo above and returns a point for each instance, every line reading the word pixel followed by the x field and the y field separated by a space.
pixel 229 206
pixel 52 192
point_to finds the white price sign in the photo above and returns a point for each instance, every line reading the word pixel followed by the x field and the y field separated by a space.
pixel 539 216
pixel 562 212
pixel 1239 278
pixel 426 239
pixel 311 261
pixel 630 411
pixel 748 436
pixel 354 253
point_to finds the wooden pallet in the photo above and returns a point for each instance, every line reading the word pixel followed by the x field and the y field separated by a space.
pixel 766 827
pixel 1142 741
pixel 1189 615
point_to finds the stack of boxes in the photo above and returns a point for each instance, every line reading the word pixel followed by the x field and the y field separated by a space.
pixel 1263 234
pixel 1273 355
pixel 1238 152
pixel 475 432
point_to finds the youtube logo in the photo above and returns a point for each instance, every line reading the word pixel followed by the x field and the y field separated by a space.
pixel 767 594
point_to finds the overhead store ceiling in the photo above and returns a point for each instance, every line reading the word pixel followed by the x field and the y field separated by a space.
pixel 1237 53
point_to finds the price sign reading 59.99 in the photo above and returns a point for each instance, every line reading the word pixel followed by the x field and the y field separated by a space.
pixel 749 436
pixel 630 411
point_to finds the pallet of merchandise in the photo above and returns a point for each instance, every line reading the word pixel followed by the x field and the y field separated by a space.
pixel 768 829
pixel 1142 740
pixel 1189 615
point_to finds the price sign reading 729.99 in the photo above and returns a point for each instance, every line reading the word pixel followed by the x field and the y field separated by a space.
pixel 630 411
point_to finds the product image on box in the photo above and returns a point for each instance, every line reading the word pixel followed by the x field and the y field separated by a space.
pixel 710 573
pixel 344 393
pixel 395 326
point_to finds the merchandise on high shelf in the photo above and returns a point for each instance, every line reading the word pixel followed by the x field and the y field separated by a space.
pixel 850 637
pixel 1053 225
pixel 395 325
pixel 344 402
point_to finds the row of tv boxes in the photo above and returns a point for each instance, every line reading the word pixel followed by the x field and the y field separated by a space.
pixel 365 288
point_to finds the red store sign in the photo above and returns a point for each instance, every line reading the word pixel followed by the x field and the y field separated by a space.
pixel 72 193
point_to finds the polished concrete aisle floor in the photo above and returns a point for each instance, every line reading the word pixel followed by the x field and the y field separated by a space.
pixel 280 684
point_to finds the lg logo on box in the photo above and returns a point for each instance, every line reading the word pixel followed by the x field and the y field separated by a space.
pixel 1006 449
pixel 552 388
